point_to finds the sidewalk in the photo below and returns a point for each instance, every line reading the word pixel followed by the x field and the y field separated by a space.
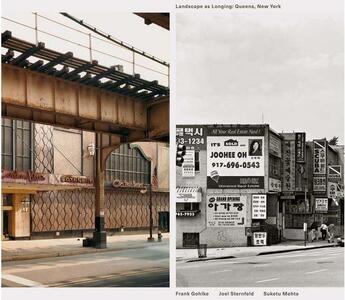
pixel 190 255
pixel 31 249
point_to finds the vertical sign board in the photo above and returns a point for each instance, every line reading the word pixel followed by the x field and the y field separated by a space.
pixel 288 166
pixel 188 165
pixel 321 204
pixel 259 206
pixel 320 157
pixel 235 157
pixel 275 145
pixel 332 190
pixel 319 166
pixel 191 136
pixel 226 210
pixel 300 147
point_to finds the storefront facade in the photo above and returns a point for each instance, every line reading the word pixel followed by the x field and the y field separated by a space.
pixel 48 189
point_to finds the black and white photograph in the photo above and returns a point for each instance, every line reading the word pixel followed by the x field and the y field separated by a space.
pixel 260 108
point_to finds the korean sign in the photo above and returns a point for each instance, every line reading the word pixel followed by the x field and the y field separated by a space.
pixel 275 145
pixel 259 238
pixel 191 136
pixel 320 157
pixel 225 210
pixel 319 184
pixel 288 165
pixel 321 204
pixel 300 147
pixel 235 161
pixel 332 190
pixel 259 206
pixel 188 165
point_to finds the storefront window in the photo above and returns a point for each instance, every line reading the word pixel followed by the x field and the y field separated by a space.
pixel 127 164
pixel 16 145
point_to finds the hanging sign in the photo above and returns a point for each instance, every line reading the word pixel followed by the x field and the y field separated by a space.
pixel 188 165
pixel 259 206
pixel 320 157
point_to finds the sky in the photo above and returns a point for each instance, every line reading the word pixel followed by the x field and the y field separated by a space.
pixel 125 26
pixel 283 67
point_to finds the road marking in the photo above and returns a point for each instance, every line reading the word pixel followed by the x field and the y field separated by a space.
pixel 221 271
pixel 22 281
pixel 265 280
pixel 317 271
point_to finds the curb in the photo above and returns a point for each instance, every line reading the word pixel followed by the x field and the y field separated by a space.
pixel 81 251
pixel 260 253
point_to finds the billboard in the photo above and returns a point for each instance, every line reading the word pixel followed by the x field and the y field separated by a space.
pixel 275 145
pixel 334 172
pixel 288 166
pixel 235 161
pixel 226 210
pixel 320 157
pixel 320 184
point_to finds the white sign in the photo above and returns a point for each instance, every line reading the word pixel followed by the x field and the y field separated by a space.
pixel 188 165
pixel 235 162
pixel 319 184
pixel 274 185
pixel 321 204
pixel 275 145
pixel 225 210
pixel 334 172
pixel 260 238
pixel 259 205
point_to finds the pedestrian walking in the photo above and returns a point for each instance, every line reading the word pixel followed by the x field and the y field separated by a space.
pixel 331 232
pixel 324 229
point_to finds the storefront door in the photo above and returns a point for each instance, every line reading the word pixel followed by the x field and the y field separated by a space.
pixel 6 211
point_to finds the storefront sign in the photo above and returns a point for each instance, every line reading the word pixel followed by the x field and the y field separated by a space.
pixel 24 177
pixel 320 157
pixel 300 177
pixel 319 184
pixel 288 165
pixel 321 204
pixel 117 183
pixel 187 213
pixel 259 238
pixel 275 185
pixel 275 145
pixel 188 165
pixel 334 172
pixel 235 162
pixel 259 206
pixel 226 210
pixel 188 194
pixel 75 179
pixel 191 136
pixel 300 147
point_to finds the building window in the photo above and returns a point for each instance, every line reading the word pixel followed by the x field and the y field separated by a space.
pixel 197 161
pixel 127 164
pixel 16 145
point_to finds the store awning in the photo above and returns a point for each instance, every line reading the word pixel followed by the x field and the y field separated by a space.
pixel 188 194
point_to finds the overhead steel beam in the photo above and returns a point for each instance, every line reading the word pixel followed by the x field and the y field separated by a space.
pixel 72 75
pixel 56 61
pixel 27 54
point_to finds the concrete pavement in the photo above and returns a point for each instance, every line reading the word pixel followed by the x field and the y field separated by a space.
pixel 34 249
pixel 234 252
pixel 137 267
pixel 322 267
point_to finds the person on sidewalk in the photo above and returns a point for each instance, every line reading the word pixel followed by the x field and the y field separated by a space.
pixel 331 232
pixel 324 229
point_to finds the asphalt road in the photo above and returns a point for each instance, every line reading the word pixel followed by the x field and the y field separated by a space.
pixel 307 268
pixel 144 267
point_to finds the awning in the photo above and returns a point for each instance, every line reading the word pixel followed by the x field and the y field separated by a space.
pixel 188 194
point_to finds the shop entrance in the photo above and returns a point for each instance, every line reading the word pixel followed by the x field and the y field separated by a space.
pixel 6 211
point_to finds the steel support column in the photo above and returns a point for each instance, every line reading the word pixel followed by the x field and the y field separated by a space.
pixel 99 235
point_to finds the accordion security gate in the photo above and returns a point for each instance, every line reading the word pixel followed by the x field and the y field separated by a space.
pixel 59 211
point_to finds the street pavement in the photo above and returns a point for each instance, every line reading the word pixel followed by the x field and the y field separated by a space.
pixel 140 267
pixel 322 267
